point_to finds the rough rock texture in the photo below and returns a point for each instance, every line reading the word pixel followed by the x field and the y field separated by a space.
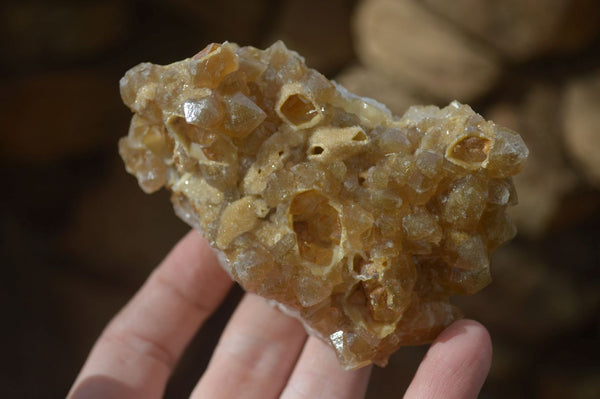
pixel 359 223
pixel 521 29
pixel 582 124
pixel 547 178
pixel 405 42
pixel 369 83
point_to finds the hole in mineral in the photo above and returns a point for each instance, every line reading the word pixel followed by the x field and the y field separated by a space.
pixel 357 264
pixel 298 109
pixel 471 149
pixel 317 226
pixel 317 150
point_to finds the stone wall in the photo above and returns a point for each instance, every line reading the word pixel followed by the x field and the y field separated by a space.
pixel 79 237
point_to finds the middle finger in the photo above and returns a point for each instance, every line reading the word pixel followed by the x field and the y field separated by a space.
pixel 255 354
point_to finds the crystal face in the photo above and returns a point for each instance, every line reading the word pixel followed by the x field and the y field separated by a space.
pixel 359 223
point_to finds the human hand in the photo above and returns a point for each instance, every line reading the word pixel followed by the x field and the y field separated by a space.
pixel 261 354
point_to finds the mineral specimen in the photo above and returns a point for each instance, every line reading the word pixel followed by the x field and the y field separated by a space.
pixel 359 223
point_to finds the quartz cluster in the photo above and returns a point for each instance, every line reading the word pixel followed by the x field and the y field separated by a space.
pixel 359 223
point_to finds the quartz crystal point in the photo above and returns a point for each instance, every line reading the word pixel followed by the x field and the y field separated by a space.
pixel 359 223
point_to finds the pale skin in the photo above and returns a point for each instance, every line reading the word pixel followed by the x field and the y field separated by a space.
pixel 262 353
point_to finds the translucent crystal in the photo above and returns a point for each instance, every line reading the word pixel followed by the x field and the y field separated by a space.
pixel 359 223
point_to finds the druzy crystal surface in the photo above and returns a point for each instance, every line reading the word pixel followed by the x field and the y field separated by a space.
pixel 359 223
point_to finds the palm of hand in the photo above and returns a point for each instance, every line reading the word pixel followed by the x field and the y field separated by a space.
pixel 261 354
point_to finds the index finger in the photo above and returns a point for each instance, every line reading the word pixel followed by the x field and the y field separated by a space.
pixel 137 351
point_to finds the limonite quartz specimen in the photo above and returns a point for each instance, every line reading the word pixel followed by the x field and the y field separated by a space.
pixel 359 223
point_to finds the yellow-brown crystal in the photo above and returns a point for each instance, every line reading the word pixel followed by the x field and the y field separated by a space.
pixel 359 223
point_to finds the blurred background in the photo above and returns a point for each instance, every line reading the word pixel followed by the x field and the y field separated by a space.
pixel 78 237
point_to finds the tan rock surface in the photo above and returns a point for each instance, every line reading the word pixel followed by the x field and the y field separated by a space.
pixel 368 83
pixel 407 43
pixel 547 177
pixel 522 29
pixel 359 223
pixel 582 124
